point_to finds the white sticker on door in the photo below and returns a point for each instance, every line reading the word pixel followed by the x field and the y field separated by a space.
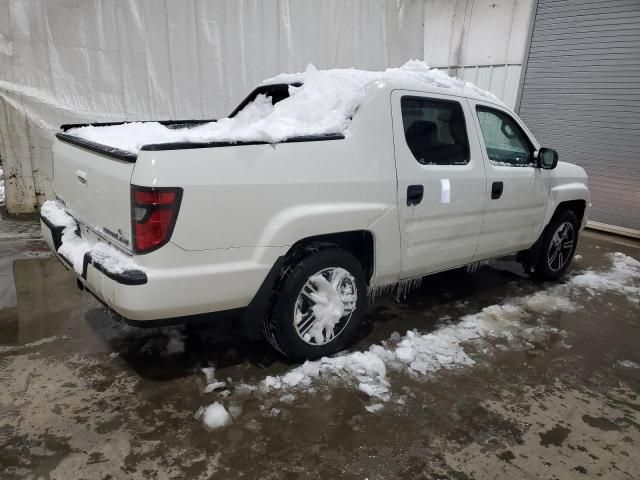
pixel 445 192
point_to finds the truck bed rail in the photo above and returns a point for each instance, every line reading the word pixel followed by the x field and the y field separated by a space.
pixel 130 157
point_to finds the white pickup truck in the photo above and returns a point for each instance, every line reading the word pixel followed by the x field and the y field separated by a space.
pixel 291 236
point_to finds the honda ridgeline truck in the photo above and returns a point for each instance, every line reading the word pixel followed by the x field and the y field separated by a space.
pixel 290 237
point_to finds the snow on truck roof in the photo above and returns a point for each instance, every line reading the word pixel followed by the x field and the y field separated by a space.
pixel 322 104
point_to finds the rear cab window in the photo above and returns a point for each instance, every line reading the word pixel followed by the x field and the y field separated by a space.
pixel 435 130
pixel 505 141
pixel 277 92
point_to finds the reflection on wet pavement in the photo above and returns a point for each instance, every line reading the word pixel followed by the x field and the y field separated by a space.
pixel 86 396
pixel 12 251
pixel 18 239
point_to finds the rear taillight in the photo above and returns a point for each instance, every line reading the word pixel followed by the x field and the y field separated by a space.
pixel 154 211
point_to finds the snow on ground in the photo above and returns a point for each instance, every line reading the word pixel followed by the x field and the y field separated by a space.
pixel 212 383
pixel 73 247
pixel 376 407
pixel 625 268
pixel 514 324
pixel 209 374
pixel 628 364
pixel 422 354
pixel 214 416
pixel 324 104
pixel 37 343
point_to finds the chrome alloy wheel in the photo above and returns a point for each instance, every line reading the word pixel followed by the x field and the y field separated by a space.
pixel 561 247
pixel 325 305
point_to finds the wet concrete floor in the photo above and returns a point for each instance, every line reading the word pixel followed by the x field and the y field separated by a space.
pixel 84 396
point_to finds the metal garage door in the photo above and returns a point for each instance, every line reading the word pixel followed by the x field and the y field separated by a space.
pixel 580 94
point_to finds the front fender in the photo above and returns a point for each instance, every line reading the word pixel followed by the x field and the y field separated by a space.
pixel 567 192
pixel 568 184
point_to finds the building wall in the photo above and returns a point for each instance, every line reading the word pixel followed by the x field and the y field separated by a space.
pixel 66 61
pixel 581 96
pixel 481 41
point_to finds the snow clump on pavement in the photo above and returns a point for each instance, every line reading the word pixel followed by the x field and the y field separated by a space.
pixel 324 104
pixel 628 364
pixel 214 416
pixel 376 407
pixel 618 279
pixel 212 383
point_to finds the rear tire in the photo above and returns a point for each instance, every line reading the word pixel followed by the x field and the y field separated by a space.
pixel 317 304
pixel 558 245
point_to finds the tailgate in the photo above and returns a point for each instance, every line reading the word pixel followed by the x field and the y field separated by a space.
pixel 95 189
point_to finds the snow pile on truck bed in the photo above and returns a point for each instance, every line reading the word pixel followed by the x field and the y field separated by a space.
pixel 73 247
pixel 323 105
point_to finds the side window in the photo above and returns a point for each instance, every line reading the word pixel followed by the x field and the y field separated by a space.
pixel 435 131
pixel 506 143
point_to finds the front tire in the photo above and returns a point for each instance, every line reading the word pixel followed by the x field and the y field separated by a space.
pixel 558 246
pixel 317 304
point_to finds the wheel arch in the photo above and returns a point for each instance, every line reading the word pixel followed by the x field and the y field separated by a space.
pixel 578 207
pixel 573 196
pixel 360 243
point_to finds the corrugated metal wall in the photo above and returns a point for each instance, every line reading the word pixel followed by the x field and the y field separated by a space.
pixel 581 95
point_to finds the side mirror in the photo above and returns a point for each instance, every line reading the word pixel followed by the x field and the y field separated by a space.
pixel 547 158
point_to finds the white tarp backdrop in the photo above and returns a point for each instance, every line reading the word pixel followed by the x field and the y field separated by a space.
pixel 70 61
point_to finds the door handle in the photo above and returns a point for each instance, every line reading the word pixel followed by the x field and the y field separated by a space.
pixel 414 194
pixel 81 176
pixel 496 190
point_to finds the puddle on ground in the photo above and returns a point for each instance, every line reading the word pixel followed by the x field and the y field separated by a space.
pixel 87 393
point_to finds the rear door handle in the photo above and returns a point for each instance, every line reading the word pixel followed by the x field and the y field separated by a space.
pixel 496 190
pixel 81 175
pixel 414 194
